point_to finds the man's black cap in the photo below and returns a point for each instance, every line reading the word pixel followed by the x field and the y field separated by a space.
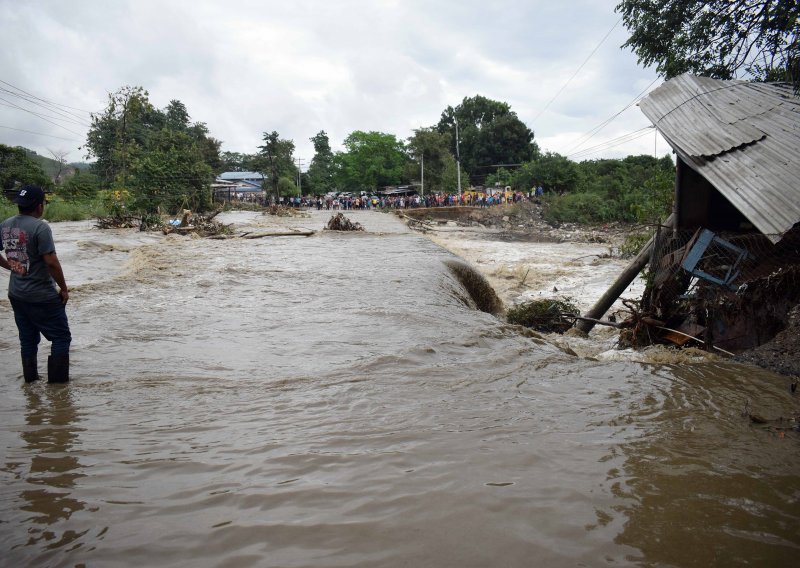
pixel 29 195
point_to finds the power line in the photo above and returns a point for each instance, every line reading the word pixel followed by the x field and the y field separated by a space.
pixel 564 86
pixel 39 133
pixel 589 135
pixel 63 115
pixel 612 143
pixel 40 116
pixel 44 100
pixel 69 120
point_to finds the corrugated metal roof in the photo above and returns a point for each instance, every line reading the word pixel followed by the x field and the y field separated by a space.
pixel 744 138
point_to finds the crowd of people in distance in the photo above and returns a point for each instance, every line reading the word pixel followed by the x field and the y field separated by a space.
pixel 339 202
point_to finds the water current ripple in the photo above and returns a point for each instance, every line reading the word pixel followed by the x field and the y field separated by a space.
pixel 336 401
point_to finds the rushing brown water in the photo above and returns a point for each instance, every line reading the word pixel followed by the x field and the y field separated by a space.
pixel 336 401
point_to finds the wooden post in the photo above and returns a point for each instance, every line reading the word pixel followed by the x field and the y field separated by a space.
pixel 618 287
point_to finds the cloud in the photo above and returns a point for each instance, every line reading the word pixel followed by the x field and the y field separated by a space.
pixel 246 67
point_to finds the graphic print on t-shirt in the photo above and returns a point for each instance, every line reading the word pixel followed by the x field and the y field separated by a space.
pixel 15 245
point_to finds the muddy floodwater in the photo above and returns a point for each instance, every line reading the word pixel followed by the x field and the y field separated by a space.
pixel 337 400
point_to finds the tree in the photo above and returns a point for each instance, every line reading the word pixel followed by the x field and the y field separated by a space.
pixel 60 157
pixel 177 116
pixel 236 162
pixel 371 160
pixel 275 160
pixel 287 187
pixel 320 172
pixel 122 134
pixel 716 38
pixel 555 173
pixel 119 134
pixel 489 134
pixel 171 175
pixel 16 167
pixel 78 186
pixel 430 148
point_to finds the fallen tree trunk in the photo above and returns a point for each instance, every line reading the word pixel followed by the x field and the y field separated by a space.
pixel 618 287
pixel 307 233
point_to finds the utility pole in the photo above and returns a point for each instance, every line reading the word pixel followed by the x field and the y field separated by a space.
pixel 300 176
pixel 458 161
pixel 422 174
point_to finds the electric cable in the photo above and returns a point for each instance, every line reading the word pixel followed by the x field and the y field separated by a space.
pixel 585 61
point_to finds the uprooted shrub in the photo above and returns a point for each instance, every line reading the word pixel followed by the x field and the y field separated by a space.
pixel 341 223
pixel 548 315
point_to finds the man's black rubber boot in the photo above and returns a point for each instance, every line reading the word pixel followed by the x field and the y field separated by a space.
pixel 30 369
pixel 58 369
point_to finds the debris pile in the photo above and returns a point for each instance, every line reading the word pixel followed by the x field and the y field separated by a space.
pixel 547 315
pixel 282 211
pixel 117 222
pixel 341 223
pixel 200 225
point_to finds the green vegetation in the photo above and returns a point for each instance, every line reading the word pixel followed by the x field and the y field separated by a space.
pixel 635 189
pixel 320 172
pixel 371 160
pixel 633 244
pixel 159 157
pixel 59 210
pixel 17 167
pixel 716 38
pixel 548 315
pixel 490 133
pixel 275 160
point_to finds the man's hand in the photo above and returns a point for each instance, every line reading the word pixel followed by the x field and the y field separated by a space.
pixel 64 293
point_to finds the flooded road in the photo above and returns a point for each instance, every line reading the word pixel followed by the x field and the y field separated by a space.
pixel 336 400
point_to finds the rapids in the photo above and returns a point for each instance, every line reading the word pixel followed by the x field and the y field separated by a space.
pixel 338 400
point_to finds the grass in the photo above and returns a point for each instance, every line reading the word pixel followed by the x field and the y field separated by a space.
pixel 59 210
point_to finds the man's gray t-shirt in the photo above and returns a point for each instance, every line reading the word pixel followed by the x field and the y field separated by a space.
pixel 25 239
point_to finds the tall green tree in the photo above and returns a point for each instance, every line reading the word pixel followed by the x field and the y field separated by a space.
pixel 164 159
pixel 275 160
pixel 716 38
pixel 236 162
pixel 320 173
pixel 119 134
pixel 430 149
pixel 553 172
pixel 170 175
pixel 490 134
pixel 16 167
pixel 371 160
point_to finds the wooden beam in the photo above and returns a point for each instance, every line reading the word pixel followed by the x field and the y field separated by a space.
pixel 620 284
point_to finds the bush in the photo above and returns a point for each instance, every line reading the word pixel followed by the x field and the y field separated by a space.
pixel 579 208
pixel 544 315
pixel 82 185
pixel 633 244
pixel 78 210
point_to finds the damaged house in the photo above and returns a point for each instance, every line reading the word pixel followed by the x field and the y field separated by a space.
pixel 726 267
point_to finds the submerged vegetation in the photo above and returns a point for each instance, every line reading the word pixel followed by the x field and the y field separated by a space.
pixel 548 315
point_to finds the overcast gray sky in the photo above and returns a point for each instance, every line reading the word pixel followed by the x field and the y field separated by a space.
pixel 245 67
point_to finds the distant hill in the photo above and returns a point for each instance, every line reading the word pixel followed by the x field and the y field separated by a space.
pixel 51 167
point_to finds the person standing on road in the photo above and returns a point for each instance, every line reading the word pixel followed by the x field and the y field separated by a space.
pixel 28 251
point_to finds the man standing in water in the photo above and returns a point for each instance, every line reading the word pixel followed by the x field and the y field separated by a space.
pixel 28 251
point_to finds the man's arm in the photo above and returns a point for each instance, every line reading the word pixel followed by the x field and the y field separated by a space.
pixel 54 268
